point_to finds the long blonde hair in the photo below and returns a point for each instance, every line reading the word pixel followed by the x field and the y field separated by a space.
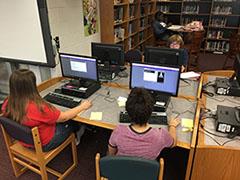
pixel 23 89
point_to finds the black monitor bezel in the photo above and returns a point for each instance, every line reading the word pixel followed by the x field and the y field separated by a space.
pixel 237 68
pixel 171 50
pixel 94 44
pixel 74 77
pixel 151 90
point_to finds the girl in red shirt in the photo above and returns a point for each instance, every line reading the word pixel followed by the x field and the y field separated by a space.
pixel 25 105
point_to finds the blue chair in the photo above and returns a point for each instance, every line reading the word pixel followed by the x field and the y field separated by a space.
pixel 23 158
pixel 128 168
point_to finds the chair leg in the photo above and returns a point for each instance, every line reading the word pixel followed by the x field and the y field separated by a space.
pixel 74 152
pixel 43 171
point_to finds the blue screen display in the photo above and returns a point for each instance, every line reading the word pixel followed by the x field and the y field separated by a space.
pixel 156 78
pixel 79 66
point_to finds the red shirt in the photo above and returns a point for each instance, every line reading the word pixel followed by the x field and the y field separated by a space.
pixel 45 121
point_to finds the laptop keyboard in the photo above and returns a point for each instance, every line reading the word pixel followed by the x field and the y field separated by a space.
pixel 155 118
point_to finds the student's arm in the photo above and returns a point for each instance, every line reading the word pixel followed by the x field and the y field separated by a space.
pixel 172 130
pixel 112 150
pixel 71 113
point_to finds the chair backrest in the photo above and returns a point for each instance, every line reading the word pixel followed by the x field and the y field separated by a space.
pixel 197 41
pixel 17 131
pixel 234 45
pixel 128 168
pixel 133 55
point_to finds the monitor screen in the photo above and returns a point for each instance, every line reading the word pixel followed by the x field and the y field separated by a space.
pixel 155 78
pixel 76 66
pixel 164 56
pixel 110 53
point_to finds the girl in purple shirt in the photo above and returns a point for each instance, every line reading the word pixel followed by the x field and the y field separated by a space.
pixel 139 139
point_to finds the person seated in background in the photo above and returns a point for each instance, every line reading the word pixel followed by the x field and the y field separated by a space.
pixel 25 105
pixel 160 27
pixel 176 42
pixel 139 139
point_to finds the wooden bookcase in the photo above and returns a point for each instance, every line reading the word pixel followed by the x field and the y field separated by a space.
pixel 220 19
pixel 127 22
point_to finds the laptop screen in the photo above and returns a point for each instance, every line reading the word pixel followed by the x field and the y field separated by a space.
pixel 155 78
pixel 76 66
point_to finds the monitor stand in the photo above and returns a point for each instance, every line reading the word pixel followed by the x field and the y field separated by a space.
pixel 161 101
pixel 107 71
pixel 81 82
pixel 81 88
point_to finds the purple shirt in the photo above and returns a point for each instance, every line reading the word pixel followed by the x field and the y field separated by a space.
pixel 147 144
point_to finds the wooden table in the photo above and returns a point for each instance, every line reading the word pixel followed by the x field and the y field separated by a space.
pixel 216 157
pixel 185 105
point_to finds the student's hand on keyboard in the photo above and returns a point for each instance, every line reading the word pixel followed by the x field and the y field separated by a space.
pixel 86 104
pixel 174 122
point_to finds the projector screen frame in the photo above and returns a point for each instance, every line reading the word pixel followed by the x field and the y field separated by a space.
pixel 47 39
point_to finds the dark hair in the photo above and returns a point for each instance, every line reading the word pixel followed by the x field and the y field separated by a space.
pixel 159 16
pixel 23 89
pixel 139 106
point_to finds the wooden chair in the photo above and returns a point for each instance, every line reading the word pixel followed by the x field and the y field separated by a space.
pixel 193 45
pixel 23 158
pixel 128 168
pixel 234 49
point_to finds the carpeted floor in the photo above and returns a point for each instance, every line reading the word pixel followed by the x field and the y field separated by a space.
pixel 96 139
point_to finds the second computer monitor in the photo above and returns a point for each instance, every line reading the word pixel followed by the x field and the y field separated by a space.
pixel 164 56
pixel 237 68
pixel 108 53
pixel 155 78
pixel 78 67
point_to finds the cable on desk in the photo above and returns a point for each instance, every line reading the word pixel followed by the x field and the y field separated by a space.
pixel 210 94
pixel 209 132
pixel 184 80
pixel 210 83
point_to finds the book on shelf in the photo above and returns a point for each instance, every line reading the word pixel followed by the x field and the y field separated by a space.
pixel 130 28
pixel 131 11
pixel 118 14
pixel 119 34
pixel 142 22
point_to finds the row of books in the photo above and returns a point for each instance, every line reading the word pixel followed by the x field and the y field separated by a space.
pixel 164 8
pixel 218 22
pixel 222 10
pixel 191 9
pixel 215 34
pixel 221 46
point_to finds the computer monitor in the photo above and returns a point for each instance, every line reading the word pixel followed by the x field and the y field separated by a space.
pixel 156 78
pixel 164 56
pixel 108 53
pixel 78 67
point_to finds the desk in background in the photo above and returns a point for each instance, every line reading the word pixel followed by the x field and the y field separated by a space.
pixel 216 157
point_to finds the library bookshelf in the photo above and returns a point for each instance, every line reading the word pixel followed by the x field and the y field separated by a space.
pixel 127 22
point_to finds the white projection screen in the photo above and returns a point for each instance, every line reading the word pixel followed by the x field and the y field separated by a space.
pixel 25 33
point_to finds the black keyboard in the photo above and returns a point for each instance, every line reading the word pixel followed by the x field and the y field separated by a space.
pixel 62 100
pixel 156 118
